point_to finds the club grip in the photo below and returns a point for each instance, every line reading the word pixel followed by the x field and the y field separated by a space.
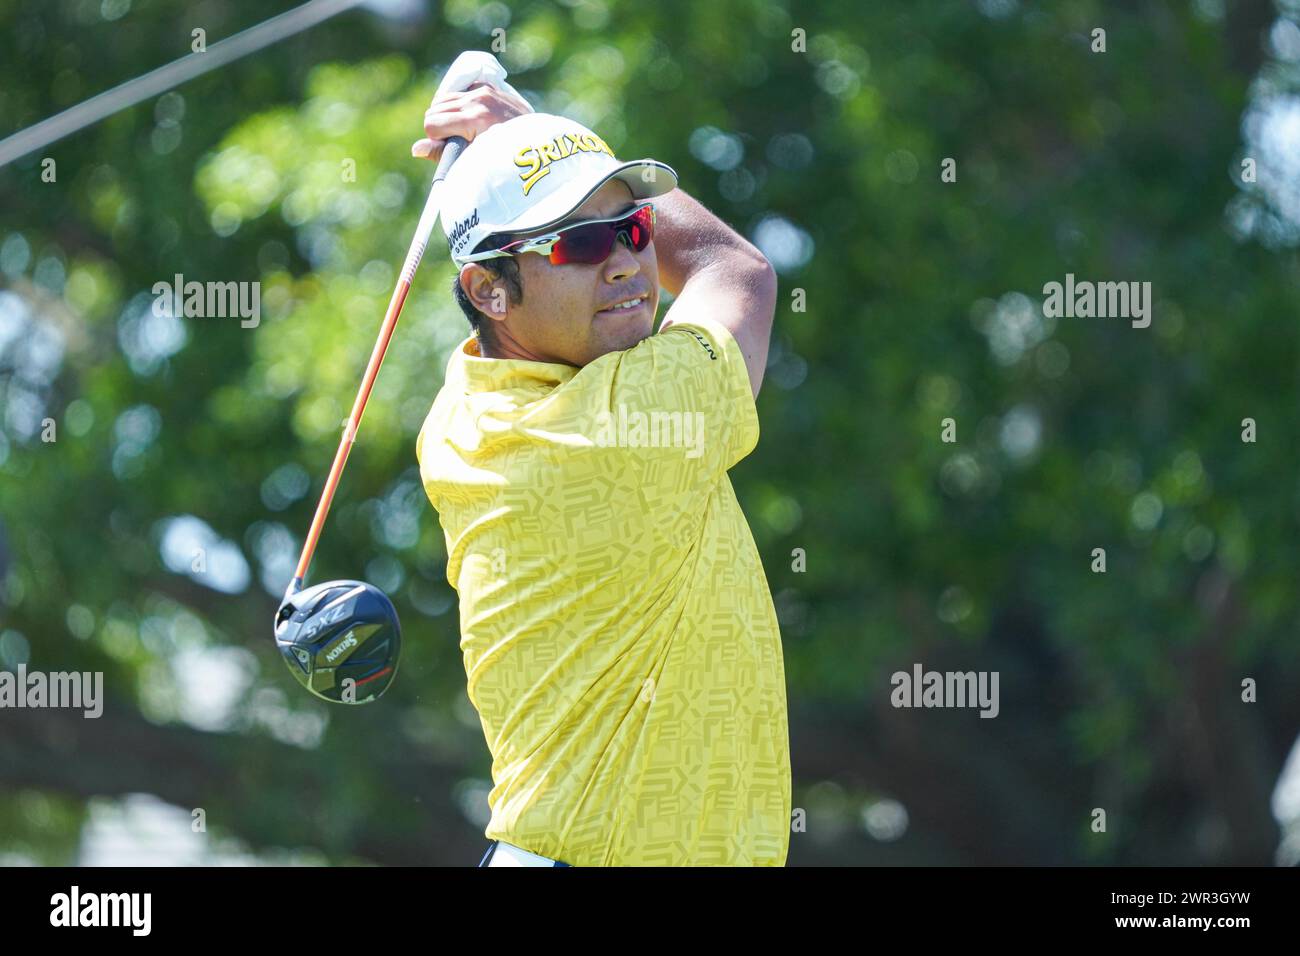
pixel 450 153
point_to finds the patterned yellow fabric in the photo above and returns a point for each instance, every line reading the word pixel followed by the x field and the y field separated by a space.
pixel 619 638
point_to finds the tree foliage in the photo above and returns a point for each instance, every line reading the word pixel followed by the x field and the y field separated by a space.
pixel 907 300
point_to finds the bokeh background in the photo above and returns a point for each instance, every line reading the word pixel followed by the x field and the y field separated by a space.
pixel 1120 691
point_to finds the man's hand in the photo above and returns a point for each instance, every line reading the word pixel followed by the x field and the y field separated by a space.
pixel 465 114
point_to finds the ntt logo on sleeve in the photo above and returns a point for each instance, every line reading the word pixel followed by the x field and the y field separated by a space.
pixel 705 342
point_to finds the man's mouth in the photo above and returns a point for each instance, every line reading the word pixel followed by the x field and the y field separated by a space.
pixel 627 305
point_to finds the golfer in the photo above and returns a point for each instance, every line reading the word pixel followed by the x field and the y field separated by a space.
pixel 619 638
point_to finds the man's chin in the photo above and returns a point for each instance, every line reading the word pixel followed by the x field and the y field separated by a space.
pixel 622 340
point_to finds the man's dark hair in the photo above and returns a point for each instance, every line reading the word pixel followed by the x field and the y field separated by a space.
pixel 504 267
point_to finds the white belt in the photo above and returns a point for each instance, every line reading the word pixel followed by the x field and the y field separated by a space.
pixel 506 854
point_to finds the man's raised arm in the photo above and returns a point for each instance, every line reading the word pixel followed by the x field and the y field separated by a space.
pixel 715 273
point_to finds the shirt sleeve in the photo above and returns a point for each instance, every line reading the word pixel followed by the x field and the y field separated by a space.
pixel 687 389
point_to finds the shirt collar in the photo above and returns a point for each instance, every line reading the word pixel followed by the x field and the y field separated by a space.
pixel 470 371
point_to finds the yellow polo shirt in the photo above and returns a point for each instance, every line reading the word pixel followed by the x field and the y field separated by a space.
pixel 619 637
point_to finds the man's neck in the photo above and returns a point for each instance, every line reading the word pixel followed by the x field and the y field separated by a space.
pixel 503 350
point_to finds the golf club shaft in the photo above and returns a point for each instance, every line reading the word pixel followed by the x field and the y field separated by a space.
pixel 413 256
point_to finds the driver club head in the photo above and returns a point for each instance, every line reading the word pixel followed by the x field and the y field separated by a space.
pixel 340 639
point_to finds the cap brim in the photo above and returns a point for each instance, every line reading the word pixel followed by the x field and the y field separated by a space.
pixel 645 177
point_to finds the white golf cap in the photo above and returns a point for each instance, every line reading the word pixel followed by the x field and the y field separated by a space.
pixel 531 172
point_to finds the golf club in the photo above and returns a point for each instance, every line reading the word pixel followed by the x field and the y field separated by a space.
pixel 342 639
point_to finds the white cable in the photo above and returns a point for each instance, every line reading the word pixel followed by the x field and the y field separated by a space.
pixel 173 74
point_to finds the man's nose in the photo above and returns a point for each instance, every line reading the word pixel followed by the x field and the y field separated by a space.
pixel 622 260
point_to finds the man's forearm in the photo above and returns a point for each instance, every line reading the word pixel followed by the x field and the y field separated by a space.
pixel 689 238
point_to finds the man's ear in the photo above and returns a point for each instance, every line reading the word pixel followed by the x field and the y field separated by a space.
pixel 486 291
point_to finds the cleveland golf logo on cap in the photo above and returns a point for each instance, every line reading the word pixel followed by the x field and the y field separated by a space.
pixel 535 161
pixel 460 232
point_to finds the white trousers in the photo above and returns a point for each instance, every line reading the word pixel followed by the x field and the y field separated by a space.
pixel 507 854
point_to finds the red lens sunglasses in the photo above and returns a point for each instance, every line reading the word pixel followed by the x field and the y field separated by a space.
pixel 586 243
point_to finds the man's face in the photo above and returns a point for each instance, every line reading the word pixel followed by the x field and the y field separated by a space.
pixel 562 318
